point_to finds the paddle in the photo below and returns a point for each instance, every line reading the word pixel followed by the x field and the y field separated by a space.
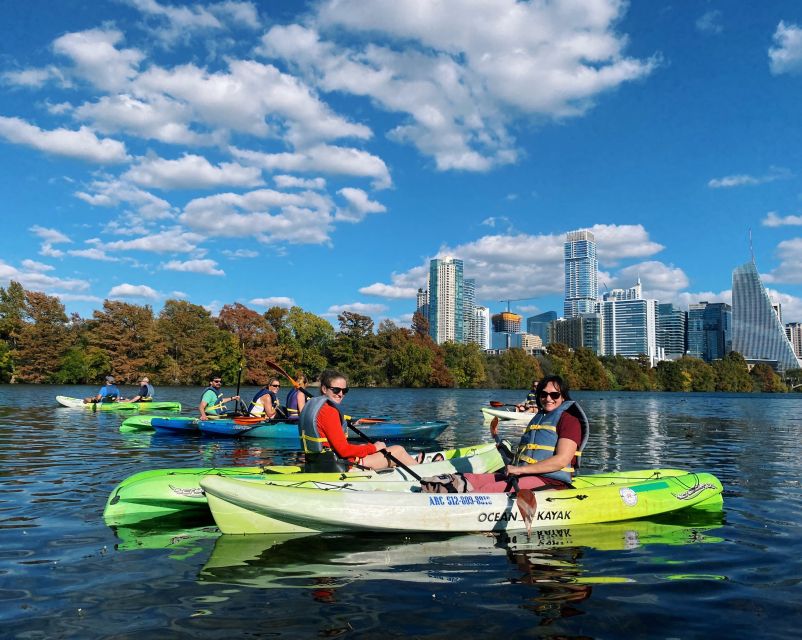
pixel 524 498
pixel 239 400
pixel 386 453
pixel 497 404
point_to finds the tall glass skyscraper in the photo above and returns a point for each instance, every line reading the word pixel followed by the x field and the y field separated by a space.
pixel 446 305
pixel 709 330
pixel 757 332
pixel 539 325
pixel 581 273
pixel 671 328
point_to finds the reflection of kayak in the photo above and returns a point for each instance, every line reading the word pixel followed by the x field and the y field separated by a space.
pixel 513 417
pixel 302 559
pixel 284 430
pixel 244 506
pixel 75 403
pixel 162 492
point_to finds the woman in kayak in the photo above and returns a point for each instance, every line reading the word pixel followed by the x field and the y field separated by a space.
pixel 296 398
pixel 265 403
pixel 547 454
pixel 323 430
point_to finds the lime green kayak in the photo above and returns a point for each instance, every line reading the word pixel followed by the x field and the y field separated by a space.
pixel 78 403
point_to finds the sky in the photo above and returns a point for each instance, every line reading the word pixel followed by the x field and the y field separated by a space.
pixel 320 154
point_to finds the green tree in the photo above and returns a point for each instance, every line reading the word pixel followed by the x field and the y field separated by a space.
pixel 43 338
pixel 466 364
pixel 256 338
pixel 702 376
pixel 589 371
pixel 793 378
pixel 403 360
pixel 671 376
pixel 12 310
pixel 732 373
pixel 353 349
pixel 765 379
pixel 312 335
pixel 516 369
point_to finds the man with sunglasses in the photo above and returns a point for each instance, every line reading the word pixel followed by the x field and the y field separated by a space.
pixel 547 455
pixel 212 401
pixel 324 433
pixel 265 403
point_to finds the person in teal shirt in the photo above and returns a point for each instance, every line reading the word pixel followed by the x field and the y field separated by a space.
pixel 212 401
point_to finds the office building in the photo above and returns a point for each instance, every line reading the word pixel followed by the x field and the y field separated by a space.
pixel 709 330
pixel 581 273
pixel 481 327
pixel 468 305
pixel 539 325
pixel 585 330
pixel 629 324
pixel 506 322
pixel 446 305
pixel 757 333
pixel 794 332
pixel 671 330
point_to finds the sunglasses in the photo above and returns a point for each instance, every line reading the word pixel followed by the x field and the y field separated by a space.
pixel 338 390
pixel 554 395
pixel 277 386
pixel 217 381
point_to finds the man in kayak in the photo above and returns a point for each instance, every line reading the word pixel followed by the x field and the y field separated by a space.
pixel 530 404
pixel 108 393
pixel 265 403
pixel 212 401
pixel 547 454
pixel 323 430
pixel 146 391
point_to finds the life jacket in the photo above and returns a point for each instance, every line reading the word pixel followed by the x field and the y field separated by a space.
pixel 320 457
pixel 214 408
pixel 292 404
pixel 531 398
pixel 539 440
pixel 260 394
pixel 146 393
pixel 111 393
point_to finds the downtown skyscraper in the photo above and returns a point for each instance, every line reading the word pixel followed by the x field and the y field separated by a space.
pixel 581 273
pixel 446 300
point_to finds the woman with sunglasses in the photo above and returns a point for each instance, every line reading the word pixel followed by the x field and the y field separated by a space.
pixel 296 398
pixel 324 433
pixel 265 403
pixel 547 454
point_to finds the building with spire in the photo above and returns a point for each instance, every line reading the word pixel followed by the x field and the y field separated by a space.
pixel 757 331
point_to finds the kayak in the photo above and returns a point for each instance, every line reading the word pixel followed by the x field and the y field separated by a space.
pixel 245 506
pixel 78 403
pixel 281 430
pixel 513 417
pixel 158 493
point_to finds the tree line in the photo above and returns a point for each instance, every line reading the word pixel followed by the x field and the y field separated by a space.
pixel 184 344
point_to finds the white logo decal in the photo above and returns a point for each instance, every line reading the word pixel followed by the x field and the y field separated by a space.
pixel 629 497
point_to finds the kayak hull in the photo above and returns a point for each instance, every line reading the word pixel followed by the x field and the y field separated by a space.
pixel 78 403
pixel 164 492
pixel 512 417
pixel 251 507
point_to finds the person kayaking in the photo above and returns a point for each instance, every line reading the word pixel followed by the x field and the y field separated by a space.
pixel 108 393
pixel 146 391
pixel 546 456
pixel 296 399
pixel 530 404
pixel 265 403
pixel 212 401
pixel 323 430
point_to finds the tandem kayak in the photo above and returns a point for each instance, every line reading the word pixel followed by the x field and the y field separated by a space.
pixel 164 492
pixel 246 507
pixel 78 403
pixel 513 417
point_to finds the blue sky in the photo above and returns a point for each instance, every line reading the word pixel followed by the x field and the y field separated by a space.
pixel 320 154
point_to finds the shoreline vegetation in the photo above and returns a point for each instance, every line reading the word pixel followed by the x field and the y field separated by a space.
pixel 184 344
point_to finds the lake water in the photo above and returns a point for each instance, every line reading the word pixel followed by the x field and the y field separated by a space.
pixel 65 574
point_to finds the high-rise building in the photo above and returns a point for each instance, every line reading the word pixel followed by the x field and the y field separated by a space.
pixel 709 330
pixel 539 325
pixel 671 330
pixel 422 303
pixel 581 273
pixel 506 322
pixel 446 306
pixel 584 330
pixel 794 332
pixel 629 325
pixel 481 321
pixel 468 305
pixel 757 333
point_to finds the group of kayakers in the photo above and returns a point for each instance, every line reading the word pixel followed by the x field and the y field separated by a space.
pixel 110 393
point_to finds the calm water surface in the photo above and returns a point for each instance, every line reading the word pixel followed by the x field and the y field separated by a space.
pixel 65 574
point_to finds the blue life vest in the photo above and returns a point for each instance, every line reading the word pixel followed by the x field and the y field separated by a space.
pixel 214 408
pixel 539 440
pixel 320 457
pixel 531 398
pixel 146 393
pixel 260 394
pixel 109 393
pixel 292 403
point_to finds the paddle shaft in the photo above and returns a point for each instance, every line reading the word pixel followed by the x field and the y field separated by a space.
pixel 386 453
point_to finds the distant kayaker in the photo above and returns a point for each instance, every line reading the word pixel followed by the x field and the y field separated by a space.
pixel 530 404
pixel 212 401
pixel 146 391
pixel 323 430
pixel 296 399
pixel 265 403
pixel 547 454
pixel 108 392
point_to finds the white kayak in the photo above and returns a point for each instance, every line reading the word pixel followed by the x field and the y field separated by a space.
pixel 511 416
pixel 243 506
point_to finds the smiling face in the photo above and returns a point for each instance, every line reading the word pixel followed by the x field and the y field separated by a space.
pixel 548 402
pixel 336 392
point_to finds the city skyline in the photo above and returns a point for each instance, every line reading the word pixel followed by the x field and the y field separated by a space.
pixel 320 154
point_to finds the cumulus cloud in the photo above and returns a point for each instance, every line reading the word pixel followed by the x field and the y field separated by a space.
pixel 773 220
pixel 133 291
pixel 388 291
pixel 615 242
pixel 82 144
pixel 191 172
pixel 363 308
pixel 96 58
pixel 173 240
pixel 33 265
pixel 292 182
pixel 92 253
pixel 240 253
pixel 358 205
pixel 740 180
pixel 34 277
pixel 785 56
pixel 275 301
pixel 113 193
pixel 206 267
pixel 790 268
pixel 710 22
pixel 53 236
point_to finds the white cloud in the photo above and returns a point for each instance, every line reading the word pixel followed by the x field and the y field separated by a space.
pixel 773 220
pixel 113 193
pixel 790 267
pixel 786 54
pixel 36 280
pixel 93 253
pixel 240 253
pixel 96 58
pixel 206 267
pixel 275 301
pixel 710 22
pixel 31 78
pixel 33 265
pixel 389 291
pixel 134 291
pixel 658 280
pixel 82 144
pixel 356 307
pixel 358 205
pixel 173 240
pixel 52 236
pixel 776 173
pixel 615 242
pixel 290 182
pixel 191 172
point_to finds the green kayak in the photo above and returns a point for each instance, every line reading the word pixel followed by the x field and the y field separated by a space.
pixel 78 403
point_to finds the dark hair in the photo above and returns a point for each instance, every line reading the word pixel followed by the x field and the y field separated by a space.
pixel 272 380
pixel 329 375
pixel 562 387
pixel 215 375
